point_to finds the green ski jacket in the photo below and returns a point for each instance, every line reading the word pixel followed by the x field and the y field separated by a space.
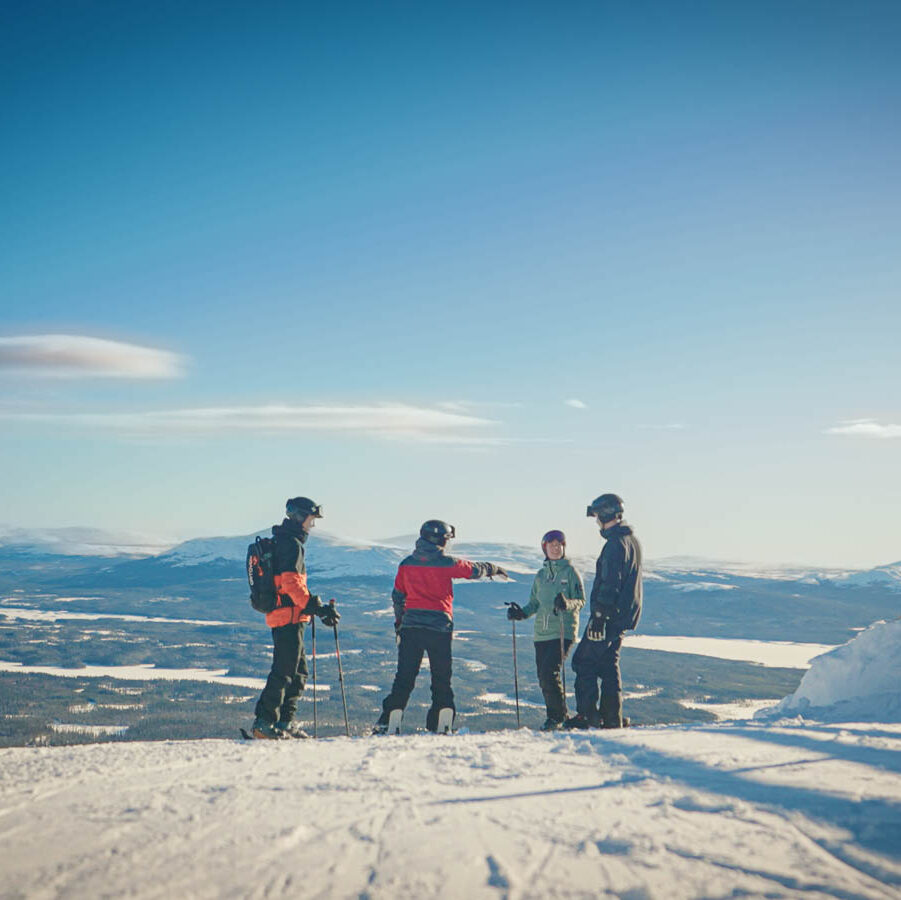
pixel 554 576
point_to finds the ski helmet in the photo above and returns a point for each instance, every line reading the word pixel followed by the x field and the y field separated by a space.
pixel 298 508
pixel 606 507
pixel 553 535
pixel 437 532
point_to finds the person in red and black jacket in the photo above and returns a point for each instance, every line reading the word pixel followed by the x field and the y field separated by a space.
pixel 423 599
pixel 277 706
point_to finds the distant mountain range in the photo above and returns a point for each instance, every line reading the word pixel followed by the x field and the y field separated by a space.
pixel 77 541
pixel 133 556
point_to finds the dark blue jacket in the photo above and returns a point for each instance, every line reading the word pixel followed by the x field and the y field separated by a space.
pixel 616 593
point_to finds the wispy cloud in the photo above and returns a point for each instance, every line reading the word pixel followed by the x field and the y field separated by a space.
pixel 867 428
pixel 75 356
pixel 672 426
pixel 576 404
pixel 464 405
pixel 394 420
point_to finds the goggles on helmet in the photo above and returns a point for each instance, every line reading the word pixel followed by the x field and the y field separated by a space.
pixel 303 507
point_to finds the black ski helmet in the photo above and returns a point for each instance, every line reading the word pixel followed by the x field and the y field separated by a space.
pixel 606 507
pixel 437 532
pixel 298 508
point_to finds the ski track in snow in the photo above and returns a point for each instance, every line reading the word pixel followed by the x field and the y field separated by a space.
pixel 775 810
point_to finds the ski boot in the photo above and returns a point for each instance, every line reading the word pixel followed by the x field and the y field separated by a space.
pixel 291 729
pixel 551 725
pixel 577 722
pixel 263 730
pixel 612 711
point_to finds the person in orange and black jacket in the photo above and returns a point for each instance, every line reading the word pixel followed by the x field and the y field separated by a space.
pixel 277 706
pixel 423 599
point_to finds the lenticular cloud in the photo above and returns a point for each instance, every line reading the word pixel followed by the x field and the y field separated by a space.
pixel 75 356
pixel 867 428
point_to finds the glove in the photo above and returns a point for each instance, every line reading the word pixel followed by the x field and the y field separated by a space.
pixel 397 625
pixel 606 611
pixel 595 630
pixel 314 606
pixel 498 570
pixel 562 603
pixel 515 613
pixel 329 615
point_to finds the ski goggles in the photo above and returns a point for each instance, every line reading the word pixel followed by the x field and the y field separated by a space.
pixel 554 536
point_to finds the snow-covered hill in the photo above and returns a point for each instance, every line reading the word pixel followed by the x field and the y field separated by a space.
pixel 330 557
pixel 665 812
pixel 80 542
pixel 882 576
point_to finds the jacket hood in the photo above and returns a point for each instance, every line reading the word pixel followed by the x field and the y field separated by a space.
pixel 427 549
pixel 290 528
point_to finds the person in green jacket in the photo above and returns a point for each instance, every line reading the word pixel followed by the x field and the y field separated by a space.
pixel 556 599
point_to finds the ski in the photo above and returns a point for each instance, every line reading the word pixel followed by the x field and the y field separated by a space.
pixel 395 719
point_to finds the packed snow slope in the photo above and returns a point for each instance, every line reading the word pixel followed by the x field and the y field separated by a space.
pixel 663 812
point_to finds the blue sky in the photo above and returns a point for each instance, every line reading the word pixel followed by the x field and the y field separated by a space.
pixel 482 262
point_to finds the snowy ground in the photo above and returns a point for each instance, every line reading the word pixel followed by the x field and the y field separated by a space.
pixel 681 811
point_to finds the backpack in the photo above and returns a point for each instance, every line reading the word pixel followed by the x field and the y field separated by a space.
pixel 261 575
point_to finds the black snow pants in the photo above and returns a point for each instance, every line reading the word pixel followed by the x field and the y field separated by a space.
pixel 595 660
pixel 413 643
pixel 548 662
pixel 288 676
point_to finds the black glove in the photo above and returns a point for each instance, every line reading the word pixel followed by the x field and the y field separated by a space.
pixel 329 615
pixel 397 624
pixel 606 610
pixel 515 613
pixel 562 603
pixel 314 606
pixel 497 570
pixel 595 630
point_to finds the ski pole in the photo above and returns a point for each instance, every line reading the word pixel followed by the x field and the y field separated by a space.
pixel 340 672
pixel 515 670
pixel 562 661
pixel 313 637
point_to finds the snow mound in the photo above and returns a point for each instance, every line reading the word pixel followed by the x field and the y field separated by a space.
pixel 857 681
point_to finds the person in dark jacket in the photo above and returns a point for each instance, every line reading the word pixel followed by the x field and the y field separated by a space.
pixel 557 597
pixel 615 606
pixel 277 706
pixel 423 599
